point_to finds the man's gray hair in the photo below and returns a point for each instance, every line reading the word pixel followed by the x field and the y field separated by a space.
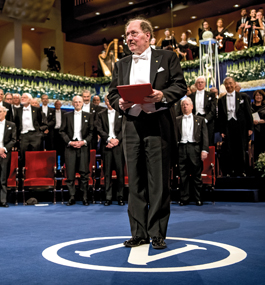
pixel 186 99
pixel 227 78
pixel 29 96
pixel 200 77
pixel 4 108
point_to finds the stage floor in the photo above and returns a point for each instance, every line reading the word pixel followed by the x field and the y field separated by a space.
pixel 55 244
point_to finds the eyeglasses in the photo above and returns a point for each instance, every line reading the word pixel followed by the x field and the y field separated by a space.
pixel 133 34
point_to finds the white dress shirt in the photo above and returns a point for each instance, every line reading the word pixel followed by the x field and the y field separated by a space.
pixel 199 101
pixel 86 107
pixel 58 117
pixel 111 118
pixel 45 110
pixel 231 105
pixel 27 123
pixel 77 125
pixel 187 129
pixel 140 74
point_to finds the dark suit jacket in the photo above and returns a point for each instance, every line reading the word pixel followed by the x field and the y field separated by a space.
pixel 50 118
pixel 67 128
pixel 200 131
pixel 9 114
pixel 38 124
pixel 170 81
pixel 243 114
pixel 9 136
pixel 209 105
pixel 102 125
pixel 62 114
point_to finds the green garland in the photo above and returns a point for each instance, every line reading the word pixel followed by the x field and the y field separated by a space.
pixel 234 55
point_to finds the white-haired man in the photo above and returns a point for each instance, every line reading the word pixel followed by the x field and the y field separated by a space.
pixel 147 131
pixel 76 131
pixel 7 141
pixel 204 105
pixel 193 147
pixel 29 125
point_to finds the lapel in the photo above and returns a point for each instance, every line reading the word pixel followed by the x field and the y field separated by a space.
pixel 106 120
pixel 33 114
pixel 5 129
pixel 224 103
pixel 84 117
pixel 195 126
pixel 206 95
pixel 238 98
pixel 180 127
pixel 72 121
pixel 155 63
pixel 126 66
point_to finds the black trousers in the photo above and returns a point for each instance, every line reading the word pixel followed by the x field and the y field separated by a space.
pixel 4 173
pixel 77 160
pixel 30 141
pixel 190 169
pixel 234 149
pixel 147 142
pixel 113 159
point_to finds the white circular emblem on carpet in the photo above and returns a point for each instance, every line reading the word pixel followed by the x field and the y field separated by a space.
pixel 139 257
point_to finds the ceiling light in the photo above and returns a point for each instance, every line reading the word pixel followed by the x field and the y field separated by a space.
pixel 193 17
pixel 236 6
pixel 130 3
pixel 97 13
pixel 156 27
pixel 32 29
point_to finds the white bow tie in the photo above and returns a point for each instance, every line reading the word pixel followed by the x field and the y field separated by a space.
pixel 77 113
pixel 136 57
pixel 187 116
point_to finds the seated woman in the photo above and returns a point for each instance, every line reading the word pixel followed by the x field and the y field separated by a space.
pixel 169 42
pixel 254 26
pixel 218 34
pixel 258 107
pixel 182 47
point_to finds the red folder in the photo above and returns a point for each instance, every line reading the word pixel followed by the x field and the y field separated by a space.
pixel 135 93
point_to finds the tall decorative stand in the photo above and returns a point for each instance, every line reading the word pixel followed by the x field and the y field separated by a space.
pixel 209 63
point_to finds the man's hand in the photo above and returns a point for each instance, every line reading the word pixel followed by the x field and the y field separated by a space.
pixel 223 135
pixel 114 142
pixel 204 155
pixel 3 155
pixel 155 97
pixel 125 104
pixel 256 122
pixel 109 145
pixel 250 132
pixel 77 144
pixel 46 131
pixel 2 150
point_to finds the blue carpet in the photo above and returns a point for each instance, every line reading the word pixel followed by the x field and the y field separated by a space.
pixel 214 244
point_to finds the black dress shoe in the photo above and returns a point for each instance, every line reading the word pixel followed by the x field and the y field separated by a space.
pixel 85 203
pixel 136 241
pixel 183 203
pixel 121 202
pixel 107 203
pixel 71 202
pixel 4 205
pixel 199 203
pixel 158 243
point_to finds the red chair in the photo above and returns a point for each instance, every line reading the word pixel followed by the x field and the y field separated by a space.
pixel 12 181
pixel 208 172
pixel 229 46
pixel 189 54
pixel 39 172
pixel 91 175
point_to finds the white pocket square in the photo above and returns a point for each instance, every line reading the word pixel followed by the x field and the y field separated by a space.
pixel 210 98
pixel 160 69
pixel 241 101
pixel 9 128
pixel 85 121
pixel 50 113
pixel 120 116
pixel 94 111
